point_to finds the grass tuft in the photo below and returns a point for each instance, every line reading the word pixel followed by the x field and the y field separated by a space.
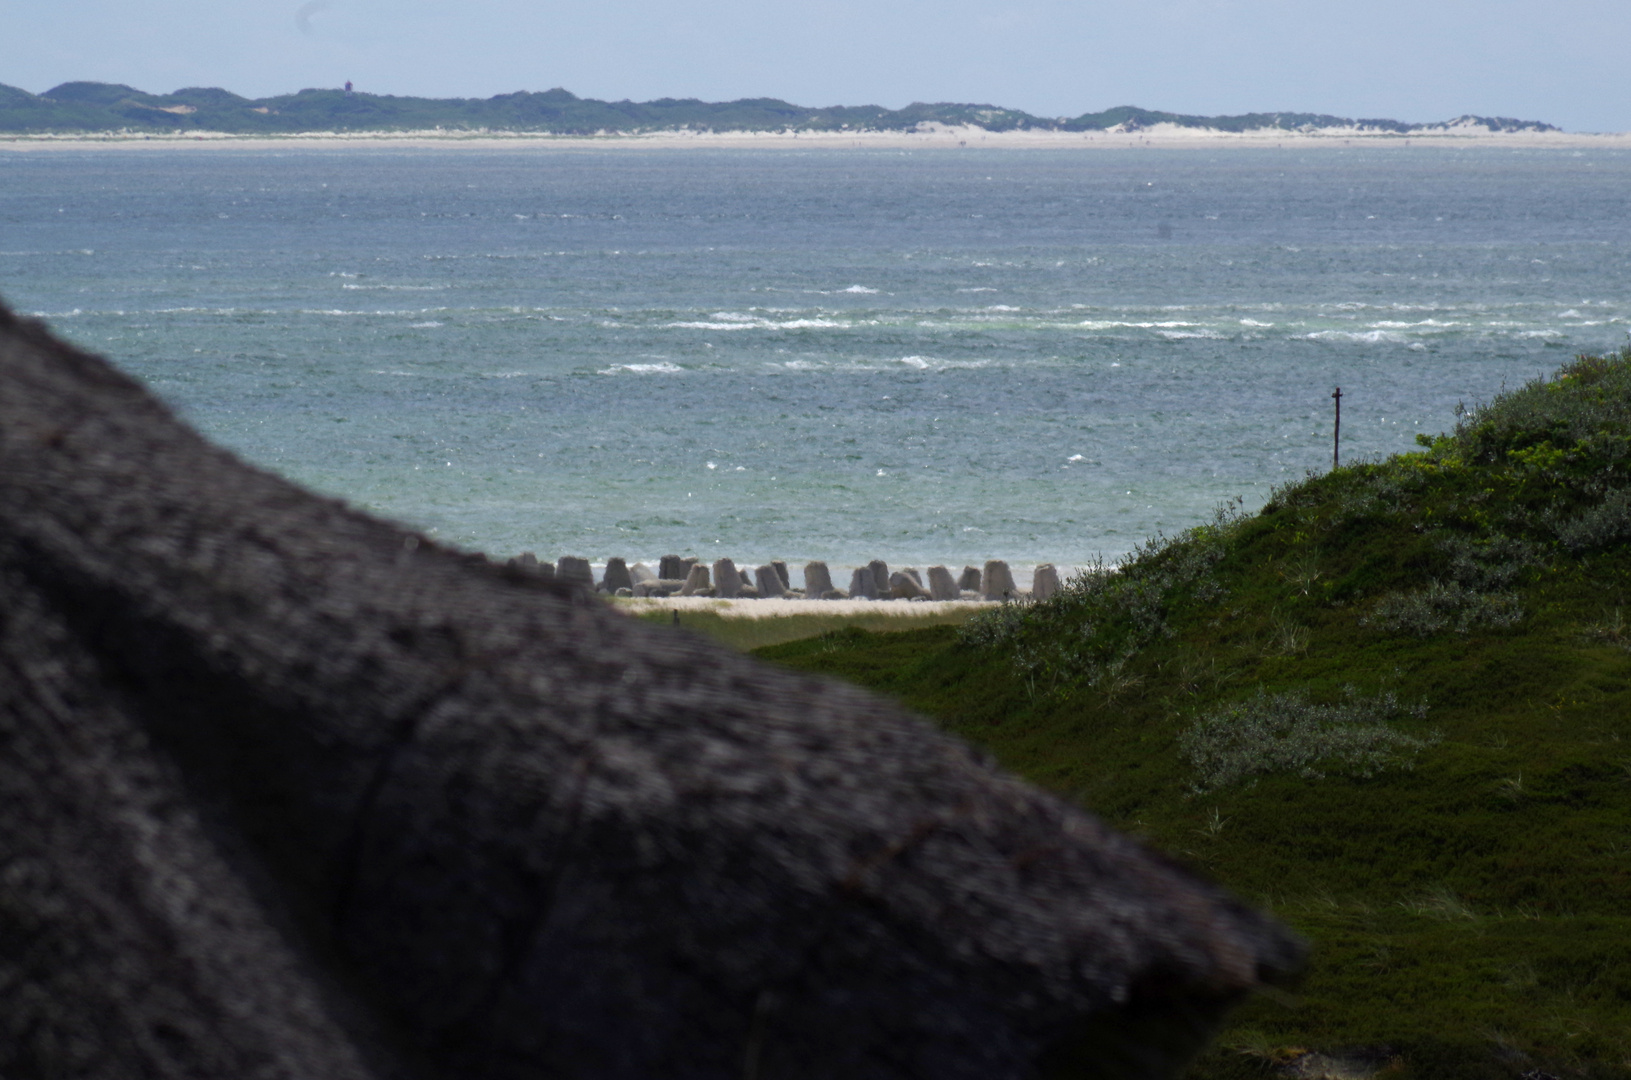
pixel 1275 733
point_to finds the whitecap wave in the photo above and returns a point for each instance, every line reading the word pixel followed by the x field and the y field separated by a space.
pixel 46 254
pixel 424 325
pixel 755 323
pixel 334 312
pixel 1430 324
pixel 860 290
pixel 1121 324
pixel 1360 337
pixel 919 363
pixel 662 368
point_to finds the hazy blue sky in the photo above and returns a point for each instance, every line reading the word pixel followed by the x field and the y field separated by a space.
pixel 1561 61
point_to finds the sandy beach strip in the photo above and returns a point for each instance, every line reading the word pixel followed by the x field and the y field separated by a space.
pixel 936 137
pixel 770 609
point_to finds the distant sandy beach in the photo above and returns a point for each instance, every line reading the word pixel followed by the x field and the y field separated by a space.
pixel 1160 136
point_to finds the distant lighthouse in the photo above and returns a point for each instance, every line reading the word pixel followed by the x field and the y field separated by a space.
pixel 348 86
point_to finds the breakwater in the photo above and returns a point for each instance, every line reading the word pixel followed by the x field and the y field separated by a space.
pixel 679 575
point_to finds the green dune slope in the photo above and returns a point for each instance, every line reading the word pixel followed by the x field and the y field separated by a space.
pixel 1393 706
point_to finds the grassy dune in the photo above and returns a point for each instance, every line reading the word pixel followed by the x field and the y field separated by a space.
pixel 1394 706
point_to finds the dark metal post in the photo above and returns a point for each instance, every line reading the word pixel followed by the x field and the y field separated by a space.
pixel 1336 431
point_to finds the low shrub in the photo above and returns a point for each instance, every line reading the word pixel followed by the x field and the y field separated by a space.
pixel 1608 522
pixel 1443 605
pixel 1582 412
pixel 1492 562
pixel 1276 733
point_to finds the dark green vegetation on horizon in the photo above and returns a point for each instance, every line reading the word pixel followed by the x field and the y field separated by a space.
pixel 78 107
pixel 1393 706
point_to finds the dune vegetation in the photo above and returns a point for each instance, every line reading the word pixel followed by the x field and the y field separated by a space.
pixel 1393 706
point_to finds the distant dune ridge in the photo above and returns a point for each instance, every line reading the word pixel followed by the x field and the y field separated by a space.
pixel 93 107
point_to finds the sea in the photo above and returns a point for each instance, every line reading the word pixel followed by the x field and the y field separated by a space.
pixel 933 356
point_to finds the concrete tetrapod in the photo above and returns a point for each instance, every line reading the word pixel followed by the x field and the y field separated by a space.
pixel 616 576
pixel 880 576
pixel 289 791
pixel 575 571
pixel 903 586
pixel 1044 582
pixel 768 582
pixel 697 581
pixel 817 580
pixel 997 583
pixel 941 585
pixel 529 563
pixel 727 582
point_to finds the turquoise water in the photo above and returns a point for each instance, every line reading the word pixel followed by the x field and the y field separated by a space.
pixel 926 357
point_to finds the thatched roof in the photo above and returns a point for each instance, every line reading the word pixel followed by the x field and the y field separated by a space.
pixel 286 790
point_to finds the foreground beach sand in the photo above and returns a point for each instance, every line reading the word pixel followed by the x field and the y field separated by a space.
pixel 746 625
pixel 770 609
pixel 1160 136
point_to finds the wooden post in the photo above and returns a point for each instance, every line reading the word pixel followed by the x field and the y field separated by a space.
pixel 1336 430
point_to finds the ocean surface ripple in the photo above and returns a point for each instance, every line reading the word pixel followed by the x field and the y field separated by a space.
pixel 926 357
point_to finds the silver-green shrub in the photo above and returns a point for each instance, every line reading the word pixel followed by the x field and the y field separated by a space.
pixel 1491 561
pixel 1277 733
pixel 1443 605
pixel 1597 526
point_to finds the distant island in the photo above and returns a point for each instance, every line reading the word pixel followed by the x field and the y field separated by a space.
pixel 93 107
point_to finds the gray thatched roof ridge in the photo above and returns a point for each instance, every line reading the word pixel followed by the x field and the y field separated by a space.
pixel 294 791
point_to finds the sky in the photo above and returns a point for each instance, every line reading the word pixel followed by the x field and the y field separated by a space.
pixel 1558 61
